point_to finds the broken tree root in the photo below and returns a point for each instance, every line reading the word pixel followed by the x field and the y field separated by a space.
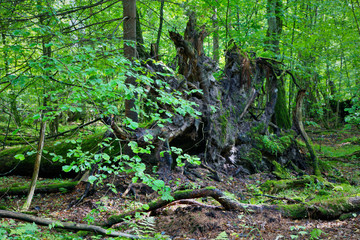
pixel 65 225
pixel 330 209
pixel 225 199
pixel 188 202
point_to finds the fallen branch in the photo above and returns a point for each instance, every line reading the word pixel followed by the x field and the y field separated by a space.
pixel 65 225
pixel 226 201
pixel 74 129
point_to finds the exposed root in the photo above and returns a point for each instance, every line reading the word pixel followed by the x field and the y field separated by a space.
pixel 225 199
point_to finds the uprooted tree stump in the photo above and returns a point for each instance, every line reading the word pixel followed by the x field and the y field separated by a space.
pixel 235 131
pixel 236 111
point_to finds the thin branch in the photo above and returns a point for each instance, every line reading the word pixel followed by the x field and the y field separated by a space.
pixel 93 24
pixel 65 225
pixel 65 12
pixel 5 87
pixel 353 11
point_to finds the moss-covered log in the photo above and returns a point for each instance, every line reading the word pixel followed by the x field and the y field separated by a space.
pixel 40 188
pixel 48 168
pixel 65 225
pixel 274 186
pixel 326 209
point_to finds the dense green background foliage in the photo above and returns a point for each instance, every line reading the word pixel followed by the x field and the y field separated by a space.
pixel 65 59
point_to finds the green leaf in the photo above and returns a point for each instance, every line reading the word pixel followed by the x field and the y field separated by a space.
pixel 133 125
pixel 105 156
pixel 92 179
pixel 15 132
pixel 20 156
pixel 36 116
pixel 67 168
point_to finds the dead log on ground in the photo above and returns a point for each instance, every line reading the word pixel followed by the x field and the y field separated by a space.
pixel 50 188
pixel 329 209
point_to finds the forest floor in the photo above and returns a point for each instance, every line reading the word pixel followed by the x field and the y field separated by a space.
pixel 335 148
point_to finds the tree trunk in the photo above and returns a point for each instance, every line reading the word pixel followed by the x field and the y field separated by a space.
pixel 216 55
pixel 274 18
pixel 46 52
pixel 160 30
pixel 36 166
pixel 129 13
pixel 140 48
pixel 300 129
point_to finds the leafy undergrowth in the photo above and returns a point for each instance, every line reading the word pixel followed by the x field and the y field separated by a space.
pixel 199 222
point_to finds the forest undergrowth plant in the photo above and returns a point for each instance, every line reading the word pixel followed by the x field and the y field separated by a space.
pixel 272 143
pixel 106 99
pixel 249 228
pixel 9 229
pixel 301 232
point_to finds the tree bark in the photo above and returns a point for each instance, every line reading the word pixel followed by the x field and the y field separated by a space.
pixel 129 13
pixel 275 24
pixel 216 55
pixel 36 166
pixel 159 30
pixel 46 52
pixel 299 127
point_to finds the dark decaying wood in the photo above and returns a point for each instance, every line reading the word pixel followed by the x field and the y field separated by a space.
pixel 243 100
